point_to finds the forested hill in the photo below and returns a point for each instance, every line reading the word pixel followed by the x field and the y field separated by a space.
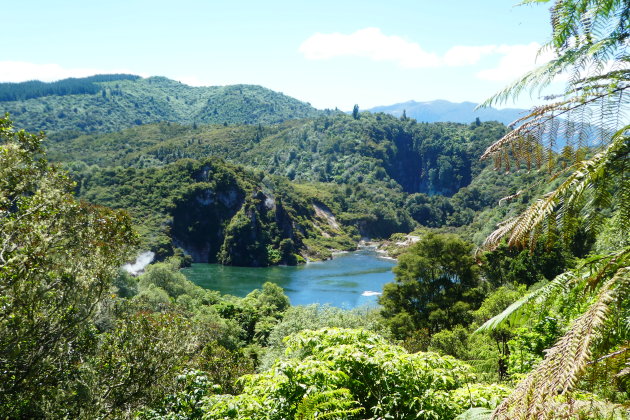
pixel 107 103
pixel 376 173
pixel 442 111
pixel 438 158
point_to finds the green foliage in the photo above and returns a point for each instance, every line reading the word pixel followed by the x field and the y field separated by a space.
pixel 215 211
pixel 57 258
pixel 355 112
pixel 337 148
pixel 477 413
pixel 313 317
pixel 99 104
pixel 134 364
pixel 497 301
pixel 437 285
pixel 452 342
pixel 334 404
pixel 164 276
pixel 528 345
pixel 506 265
pixel 245 239
pixel 589 42
pixel 364 166
pixel 480 396
pixel 186 402
pixel 339 366
pixel 35 89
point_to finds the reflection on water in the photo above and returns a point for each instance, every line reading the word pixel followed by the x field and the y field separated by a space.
pixel 348 280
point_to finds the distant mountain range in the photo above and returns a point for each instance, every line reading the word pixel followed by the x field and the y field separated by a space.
pixel 443 111
pixel 107 103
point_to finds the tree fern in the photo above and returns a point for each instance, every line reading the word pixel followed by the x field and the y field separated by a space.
pixel 590 177
pixel 560 369
pixel 512 312
pixel 566 360
pixel 588 273
pixel 590 46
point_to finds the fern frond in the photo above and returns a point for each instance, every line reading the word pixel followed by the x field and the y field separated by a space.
pixel 543 125
pixel 586 34
pixel 624 196
pixel 587 173
pixel 503 228
pixel 589 271
pixel 513 311
pixel 623 376
pixel 564 362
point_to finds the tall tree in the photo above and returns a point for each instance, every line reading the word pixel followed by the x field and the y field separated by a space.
pixel 57 256
pixel 435 286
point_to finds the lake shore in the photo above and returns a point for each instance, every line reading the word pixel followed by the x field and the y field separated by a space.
pixel 390 248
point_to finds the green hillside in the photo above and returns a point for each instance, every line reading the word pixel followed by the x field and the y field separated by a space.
pixel 377 174
pixel 218 212
pixel 434 159
pixel 109 103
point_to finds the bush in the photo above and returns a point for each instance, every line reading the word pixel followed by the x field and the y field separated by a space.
pixel 359 373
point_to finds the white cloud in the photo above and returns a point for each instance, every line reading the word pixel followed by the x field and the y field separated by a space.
pixel 368 43
pixel 515 61
pixel 463 55
pixel 371 43
pixel 21 71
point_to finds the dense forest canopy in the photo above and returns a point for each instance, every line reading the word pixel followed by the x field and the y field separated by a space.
pixel 377 174
pixel 71 86
pixel 107 103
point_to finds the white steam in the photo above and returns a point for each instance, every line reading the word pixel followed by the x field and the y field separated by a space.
pixel 142 261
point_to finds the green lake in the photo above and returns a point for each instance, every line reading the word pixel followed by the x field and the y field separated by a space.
pixel 348 280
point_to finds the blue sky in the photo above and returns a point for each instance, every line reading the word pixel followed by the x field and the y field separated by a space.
pixel 329 53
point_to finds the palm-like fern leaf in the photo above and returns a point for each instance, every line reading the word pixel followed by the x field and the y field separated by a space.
pixel 588 173
pixel 587 35
pixel 590 272
pixel 590 42
pixel 513 311
pixel 564 362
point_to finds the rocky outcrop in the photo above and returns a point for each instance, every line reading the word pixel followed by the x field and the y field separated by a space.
pixel 235 227
pixel 199 221
pixel 324 214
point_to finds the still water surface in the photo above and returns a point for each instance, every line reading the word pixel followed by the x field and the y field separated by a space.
pixel 348 280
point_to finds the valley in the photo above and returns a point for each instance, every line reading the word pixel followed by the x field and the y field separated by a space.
pixel 170 251
pixel 377 174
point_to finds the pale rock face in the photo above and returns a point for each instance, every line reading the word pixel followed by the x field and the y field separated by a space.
pixel 325 214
